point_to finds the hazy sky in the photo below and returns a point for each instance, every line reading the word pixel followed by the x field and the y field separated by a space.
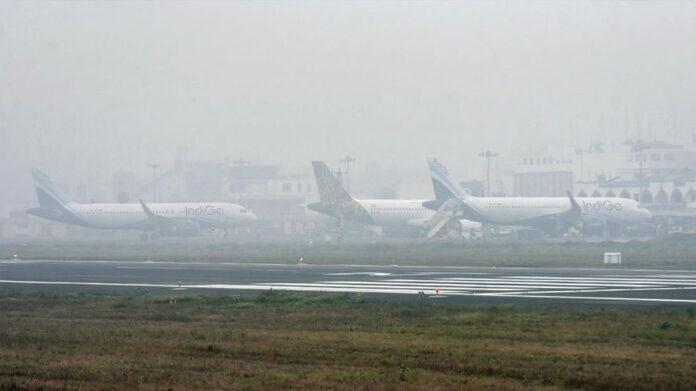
pixel 88 88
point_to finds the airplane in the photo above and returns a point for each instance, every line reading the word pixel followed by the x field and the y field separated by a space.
pixel 179 219
pixel 550 214
pixel 335 201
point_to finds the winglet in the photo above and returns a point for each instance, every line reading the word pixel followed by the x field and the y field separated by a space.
pixel 147 210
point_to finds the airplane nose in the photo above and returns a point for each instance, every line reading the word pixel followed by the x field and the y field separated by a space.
pixel 252 217
pixel 646 214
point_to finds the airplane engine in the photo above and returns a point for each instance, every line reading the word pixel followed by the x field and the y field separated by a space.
pixel 453 230
pixel 592 225
pixel 182 228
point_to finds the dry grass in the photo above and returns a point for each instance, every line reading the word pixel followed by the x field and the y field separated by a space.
pixel 295 341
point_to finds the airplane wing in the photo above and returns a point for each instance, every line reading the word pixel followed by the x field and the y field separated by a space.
pixel 171 226
pixel 573 214
pixel 559 222
pixel 155 218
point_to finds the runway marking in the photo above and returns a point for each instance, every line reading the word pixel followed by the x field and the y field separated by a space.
pixel 605 298
pixel 597 286
pixel 385 288
pixel 513 293
pixel 611 278
pixel 443 284
pixel 291 265
pixel 87 283
pixel 361 290
pixel 546 282
pixel 375 274
pixel 171 268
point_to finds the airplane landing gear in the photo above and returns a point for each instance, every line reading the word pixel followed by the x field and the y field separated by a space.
pixel 339 230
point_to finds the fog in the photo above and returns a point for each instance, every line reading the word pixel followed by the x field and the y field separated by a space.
pixel 88 88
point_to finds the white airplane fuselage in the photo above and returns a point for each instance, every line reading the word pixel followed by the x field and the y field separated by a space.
pixel 335 201
pixel 396 212
pixel 393 212
pixel 520 210
pixel 132 216
pixel 533 211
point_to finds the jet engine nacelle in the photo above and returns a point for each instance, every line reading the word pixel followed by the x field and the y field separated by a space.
pixel 182 228
pixel 453 230
pixel 593 225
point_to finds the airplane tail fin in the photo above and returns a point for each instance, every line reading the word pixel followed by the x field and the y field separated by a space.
pixel 52 205
pixel 330 189
pixel 445 187
pixel 49 197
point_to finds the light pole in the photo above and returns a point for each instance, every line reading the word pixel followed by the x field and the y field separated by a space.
pixel 347 161
pixel 488 155
pixel 639 147
pixel 240 185
pixel 154 167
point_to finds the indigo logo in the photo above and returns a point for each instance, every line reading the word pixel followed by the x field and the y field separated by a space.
pixel 208 210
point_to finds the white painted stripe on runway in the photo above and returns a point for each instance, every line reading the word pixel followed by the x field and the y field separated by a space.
pixel 596 278
pixel 604 298
pixel 605 280
pixel 633 278
pixel 567 278
pixel 303 288
pixel 547 284
pixel 609 281
pixel 86 283
pixel 215 286
pixel 375 274
pixel 380 286
pixel 653 276
pixel 501 290
pixel 359 285
pixel 176 268
pixel 599 290
pixel 356 290
pixel 437 284
pixel 524 283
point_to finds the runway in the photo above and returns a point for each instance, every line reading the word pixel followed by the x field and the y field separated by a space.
pixel 470 284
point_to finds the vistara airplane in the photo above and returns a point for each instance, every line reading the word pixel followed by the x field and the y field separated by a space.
pixel 335 201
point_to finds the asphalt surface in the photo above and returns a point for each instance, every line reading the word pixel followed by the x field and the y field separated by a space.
pixel 603 286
